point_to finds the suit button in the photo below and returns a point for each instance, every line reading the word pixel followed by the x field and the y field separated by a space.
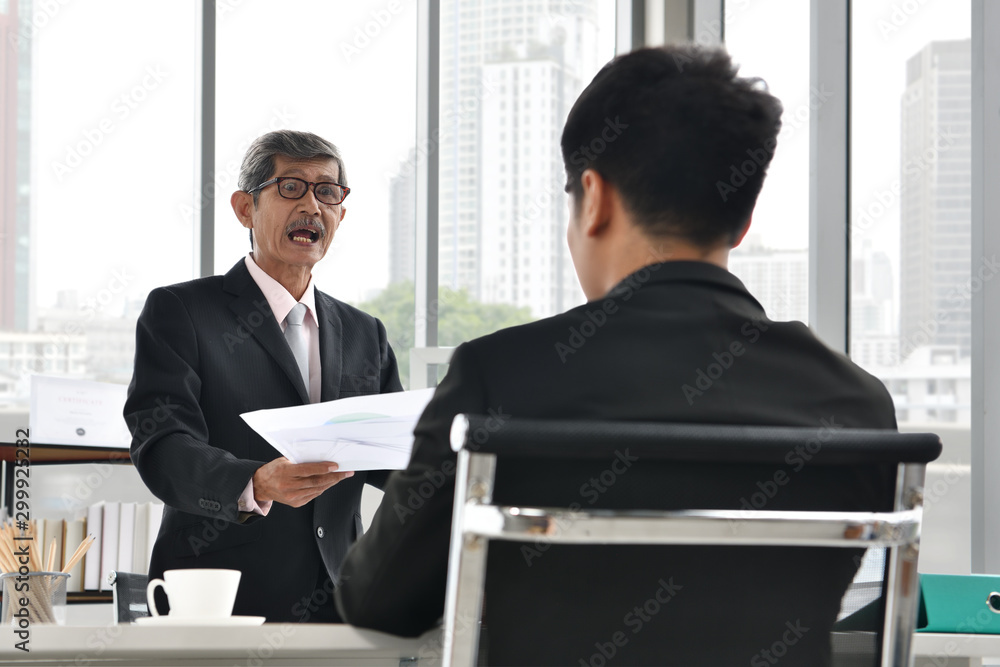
pixel 320 532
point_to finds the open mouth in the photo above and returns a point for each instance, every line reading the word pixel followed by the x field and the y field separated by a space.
pixel 303 235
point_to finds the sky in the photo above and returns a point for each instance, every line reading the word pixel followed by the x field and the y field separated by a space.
pixel 781 218
pixel 885 34
pixel 88 137
pixel 115 124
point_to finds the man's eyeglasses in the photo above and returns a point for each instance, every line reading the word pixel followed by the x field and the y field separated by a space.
pixel 290 187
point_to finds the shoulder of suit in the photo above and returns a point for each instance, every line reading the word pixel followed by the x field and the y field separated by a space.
pixel 819 349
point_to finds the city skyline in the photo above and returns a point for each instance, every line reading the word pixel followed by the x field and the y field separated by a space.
pixel 487 212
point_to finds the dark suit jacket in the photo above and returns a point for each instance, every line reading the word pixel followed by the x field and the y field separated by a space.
pixel 678 341
pixel 207 351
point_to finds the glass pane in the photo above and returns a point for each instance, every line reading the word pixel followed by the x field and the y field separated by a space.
pixel 773 260
pixel 510 71
pixel 347 72
pixel 910 262
pixel 98 159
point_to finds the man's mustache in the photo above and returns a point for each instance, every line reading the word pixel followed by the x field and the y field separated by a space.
pixel 307 224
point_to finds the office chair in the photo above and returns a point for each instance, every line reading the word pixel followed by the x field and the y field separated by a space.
pixel 603 543
pixel 129 594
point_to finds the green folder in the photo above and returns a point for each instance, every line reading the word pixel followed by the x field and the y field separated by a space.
pixel 967 604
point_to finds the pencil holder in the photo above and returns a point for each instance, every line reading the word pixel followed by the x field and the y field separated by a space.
pixel 36 598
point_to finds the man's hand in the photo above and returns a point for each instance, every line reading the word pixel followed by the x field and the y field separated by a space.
pixel 294 484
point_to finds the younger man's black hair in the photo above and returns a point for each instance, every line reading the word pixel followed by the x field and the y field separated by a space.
pixel 683 139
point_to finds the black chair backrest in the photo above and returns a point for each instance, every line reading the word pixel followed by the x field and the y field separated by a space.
pixel 129 596
pixel 638 604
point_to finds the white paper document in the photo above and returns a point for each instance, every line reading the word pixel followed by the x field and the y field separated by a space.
pixel 372 432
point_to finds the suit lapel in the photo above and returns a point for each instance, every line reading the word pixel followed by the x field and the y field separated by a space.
pixel 253 313
pixel 331 338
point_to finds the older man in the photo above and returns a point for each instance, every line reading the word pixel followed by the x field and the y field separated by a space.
pixel 261 336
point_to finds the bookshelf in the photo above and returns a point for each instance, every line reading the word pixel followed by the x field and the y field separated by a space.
pixel 67 453
pixel 42 453
pixel 46 454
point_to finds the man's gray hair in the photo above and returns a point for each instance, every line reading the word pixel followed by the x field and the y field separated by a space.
pixel 258 163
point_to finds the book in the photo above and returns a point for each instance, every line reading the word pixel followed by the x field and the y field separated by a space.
pixel 72 537
pixel 109 542
pixel 140 539
pixel 92 561
pixel 126 537
pixel 53 531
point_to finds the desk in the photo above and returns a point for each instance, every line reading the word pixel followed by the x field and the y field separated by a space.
pixel 933 649
pixel 301 645
pixel 329 645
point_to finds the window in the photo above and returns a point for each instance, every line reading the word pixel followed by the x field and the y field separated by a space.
pixel 773 259
pixel 75 268
pixel 911 236
pixel 369 114
pixel 103 205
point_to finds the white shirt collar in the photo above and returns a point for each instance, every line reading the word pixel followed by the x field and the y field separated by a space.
pixel 278 298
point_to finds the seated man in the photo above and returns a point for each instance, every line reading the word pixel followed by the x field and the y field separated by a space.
pixel 668 335
pixel 261 336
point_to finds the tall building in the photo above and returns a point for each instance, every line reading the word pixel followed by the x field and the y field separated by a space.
pixel 524 259
pixel 509 73
pixel 936 199
pixel 874 331
pixel 871 293
pixel 932 385
pixel 779 279
pixel 15 136
pixel 403 221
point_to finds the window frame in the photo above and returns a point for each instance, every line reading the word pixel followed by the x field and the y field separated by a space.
pixel 985 510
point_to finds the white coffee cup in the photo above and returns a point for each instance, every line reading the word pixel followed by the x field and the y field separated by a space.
pixel 197 593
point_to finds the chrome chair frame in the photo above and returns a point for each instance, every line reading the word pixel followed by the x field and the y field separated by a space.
pixel 476 521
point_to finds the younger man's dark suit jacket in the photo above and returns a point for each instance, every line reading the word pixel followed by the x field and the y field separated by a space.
pixel 207 351
pixel 677 342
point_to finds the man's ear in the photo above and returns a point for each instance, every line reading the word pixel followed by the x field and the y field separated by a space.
pixel 595 203
pixel 242 203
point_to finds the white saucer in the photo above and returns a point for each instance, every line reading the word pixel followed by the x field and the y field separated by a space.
pixel 188 621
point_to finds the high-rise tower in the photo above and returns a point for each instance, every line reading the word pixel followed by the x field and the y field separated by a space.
pixel 510 72
pixel 936 201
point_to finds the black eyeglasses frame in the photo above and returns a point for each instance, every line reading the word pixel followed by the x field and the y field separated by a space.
pixel 279 179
